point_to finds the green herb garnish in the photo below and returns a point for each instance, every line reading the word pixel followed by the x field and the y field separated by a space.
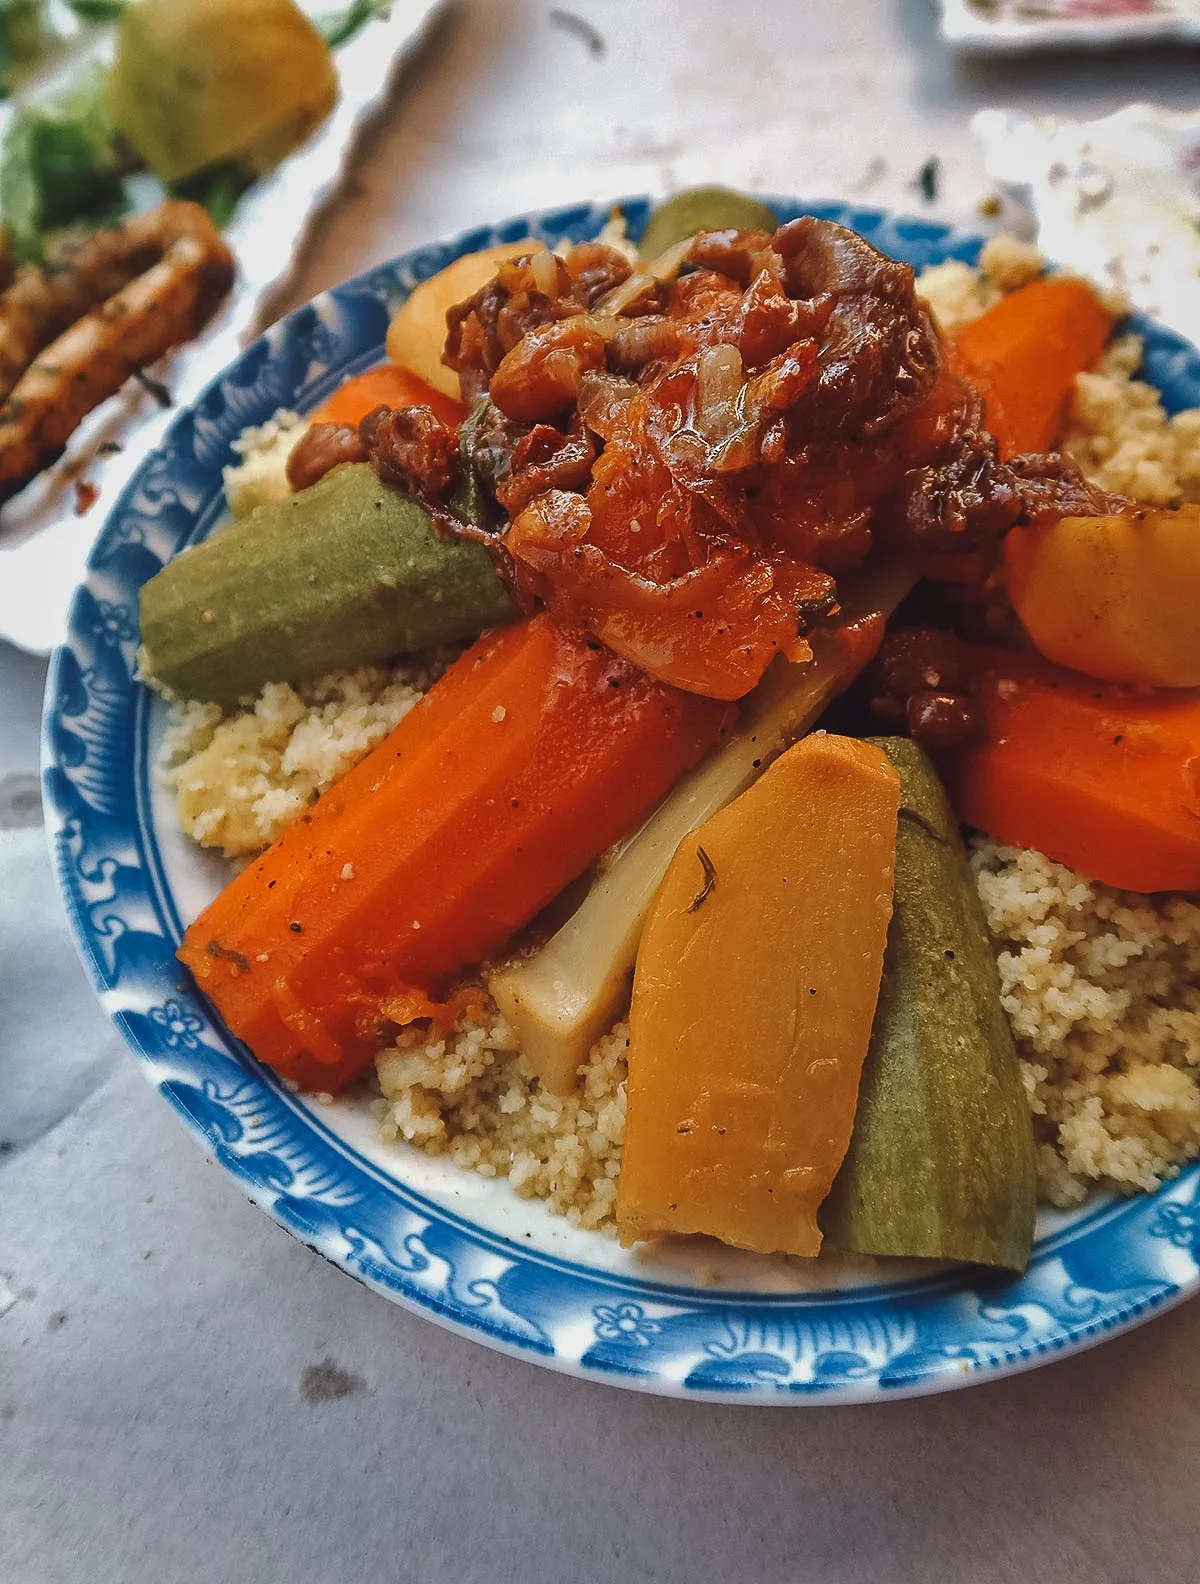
pixel 218 187
pixel 335 27
pixel 709 870
pixel 97 10
pixel 23 34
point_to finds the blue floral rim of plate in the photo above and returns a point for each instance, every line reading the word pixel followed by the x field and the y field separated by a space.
pixel 1102 1270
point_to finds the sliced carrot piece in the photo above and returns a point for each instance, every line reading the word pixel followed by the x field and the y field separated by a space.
pixel 389 385
pixel 1024 353
pixel 537 750
pixel 1105 779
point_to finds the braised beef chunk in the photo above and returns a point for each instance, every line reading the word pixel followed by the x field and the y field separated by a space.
pixel 546 459
pixel 594 270
pixel 524 294
pixel 966 499
pixel 684 462
pixel 738 254
pixel 540 378
pixel 321 448
pixel 916 659
pixel 473 339
pixel 413 448
pixel 921 683
pixel 1051 487
pixel 879 354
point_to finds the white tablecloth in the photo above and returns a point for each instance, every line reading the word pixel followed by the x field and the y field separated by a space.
pixel 187 1394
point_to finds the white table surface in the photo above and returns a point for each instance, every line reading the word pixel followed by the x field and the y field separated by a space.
pixel 188 1394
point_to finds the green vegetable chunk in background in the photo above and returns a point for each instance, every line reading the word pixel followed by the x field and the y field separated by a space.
pixel 702 209
pixel 941 1162
pixel 338 26
pixel 198 82
pixel 343 574
pixel 216 188
pixel 23 36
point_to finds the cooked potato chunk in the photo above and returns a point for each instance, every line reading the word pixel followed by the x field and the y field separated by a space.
pixel 417 334
pixel 1114 597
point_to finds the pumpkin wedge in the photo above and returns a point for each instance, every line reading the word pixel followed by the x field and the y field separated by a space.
pixel 753 998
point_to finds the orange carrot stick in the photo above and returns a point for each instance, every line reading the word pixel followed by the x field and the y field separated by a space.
pixel 389 385
pixel 536 751
pixel 1024 354
pixel 1105 779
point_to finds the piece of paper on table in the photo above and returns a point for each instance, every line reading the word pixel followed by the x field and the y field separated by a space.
pixel 1116 199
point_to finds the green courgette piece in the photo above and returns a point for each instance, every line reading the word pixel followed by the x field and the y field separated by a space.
pixel 343 574
pixel 941 1160
pixel 702 209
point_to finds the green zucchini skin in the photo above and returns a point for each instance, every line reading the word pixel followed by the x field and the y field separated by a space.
pixel 941 1161
pixel 343 574
pixel 703 209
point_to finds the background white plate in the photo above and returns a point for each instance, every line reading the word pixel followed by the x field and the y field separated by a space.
pixel 43 543
pixel 1015 25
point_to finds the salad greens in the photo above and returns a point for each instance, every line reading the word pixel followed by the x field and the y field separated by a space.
pixel 217 187
pixel 60 163
pixel 97 10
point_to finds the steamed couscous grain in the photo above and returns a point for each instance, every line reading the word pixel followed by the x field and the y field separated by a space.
pixel 241 779
pixel 1100 987
pixel 261 474
pixel 471 1095
pixel 959 292
pixel 1121 438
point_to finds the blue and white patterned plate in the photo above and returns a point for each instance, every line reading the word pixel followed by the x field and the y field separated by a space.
pixel 464 1251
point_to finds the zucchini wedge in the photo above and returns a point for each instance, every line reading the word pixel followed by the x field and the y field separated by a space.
pixel 941 1160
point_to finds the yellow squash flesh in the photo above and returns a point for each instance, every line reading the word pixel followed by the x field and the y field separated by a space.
pixel 753 1001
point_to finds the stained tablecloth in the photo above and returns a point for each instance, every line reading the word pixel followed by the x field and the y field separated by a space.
pixel 186 1393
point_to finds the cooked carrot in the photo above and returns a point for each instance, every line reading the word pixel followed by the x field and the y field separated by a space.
pixel 536 751
pixel 1024 354
pixel 1105 779
pixel 389 385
